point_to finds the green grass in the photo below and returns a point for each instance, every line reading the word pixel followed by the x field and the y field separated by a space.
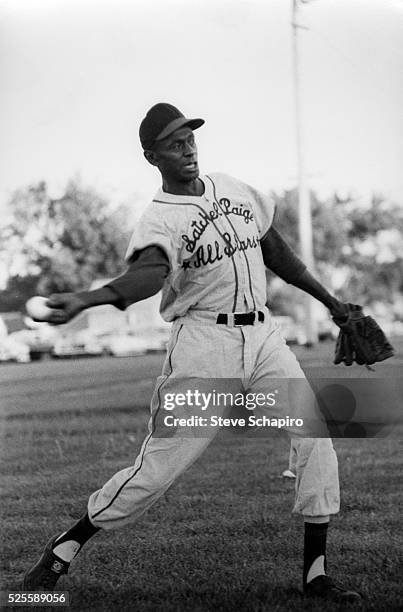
pixel 222 538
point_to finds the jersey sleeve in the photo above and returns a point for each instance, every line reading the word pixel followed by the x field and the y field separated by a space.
pixel 263 208
pixel 150 230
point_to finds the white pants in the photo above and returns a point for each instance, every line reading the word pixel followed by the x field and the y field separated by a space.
pixel 250 357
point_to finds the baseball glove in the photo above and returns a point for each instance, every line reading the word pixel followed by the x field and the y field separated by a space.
pixel 360 339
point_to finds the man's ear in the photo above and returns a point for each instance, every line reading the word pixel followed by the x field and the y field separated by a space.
pixel 151 157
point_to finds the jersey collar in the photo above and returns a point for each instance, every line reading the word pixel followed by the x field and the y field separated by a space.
pixel 172 198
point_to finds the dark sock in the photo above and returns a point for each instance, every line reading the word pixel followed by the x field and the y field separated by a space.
pixel 314 545
pixel 81 532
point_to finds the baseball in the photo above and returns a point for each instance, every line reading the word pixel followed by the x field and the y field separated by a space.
pixel 37 309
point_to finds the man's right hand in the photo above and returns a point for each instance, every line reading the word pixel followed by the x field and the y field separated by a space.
pixel 65 306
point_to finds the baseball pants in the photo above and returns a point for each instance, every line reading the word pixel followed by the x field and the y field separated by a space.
pixel 247 359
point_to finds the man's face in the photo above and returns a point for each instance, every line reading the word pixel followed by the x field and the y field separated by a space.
pixel 176 156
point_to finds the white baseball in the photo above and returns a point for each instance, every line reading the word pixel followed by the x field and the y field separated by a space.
pixel 37 309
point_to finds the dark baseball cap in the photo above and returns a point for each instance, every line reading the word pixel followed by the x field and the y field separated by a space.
pixel 161 120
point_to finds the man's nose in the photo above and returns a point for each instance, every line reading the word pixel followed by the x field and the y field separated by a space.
pixel 190 148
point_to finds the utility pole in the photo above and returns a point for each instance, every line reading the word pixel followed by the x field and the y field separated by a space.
pixel 304 201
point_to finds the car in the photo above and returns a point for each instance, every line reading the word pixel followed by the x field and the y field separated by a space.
pixel 123 345
pixel 77 344
pixel 157 342
pixel 14 350
pixel 39 340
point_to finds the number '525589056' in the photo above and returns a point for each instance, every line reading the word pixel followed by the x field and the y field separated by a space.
pixel 37 598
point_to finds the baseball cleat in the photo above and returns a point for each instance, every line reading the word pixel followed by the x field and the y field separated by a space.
pixel 324 587
pixel 46 572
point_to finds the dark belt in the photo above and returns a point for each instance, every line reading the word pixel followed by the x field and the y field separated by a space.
pixel 238 319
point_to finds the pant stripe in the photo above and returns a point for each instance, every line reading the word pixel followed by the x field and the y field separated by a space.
pixel 153 420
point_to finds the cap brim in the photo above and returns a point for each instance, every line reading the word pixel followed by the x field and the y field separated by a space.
pixel 179 123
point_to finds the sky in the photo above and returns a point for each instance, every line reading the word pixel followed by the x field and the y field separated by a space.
pixel 77 77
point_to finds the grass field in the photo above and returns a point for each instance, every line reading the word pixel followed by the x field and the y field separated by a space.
pixel 222 538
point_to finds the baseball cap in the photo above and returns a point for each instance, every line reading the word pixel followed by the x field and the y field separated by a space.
pixel 161 120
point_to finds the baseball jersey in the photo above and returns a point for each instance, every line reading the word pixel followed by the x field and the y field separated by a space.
pixel 213 245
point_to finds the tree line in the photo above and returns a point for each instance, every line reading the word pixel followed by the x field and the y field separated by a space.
pixel 55 245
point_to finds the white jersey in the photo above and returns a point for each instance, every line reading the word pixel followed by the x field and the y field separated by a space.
pixel 213 245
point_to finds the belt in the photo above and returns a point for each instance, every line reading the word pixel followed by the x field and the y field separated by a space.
pixel 238 319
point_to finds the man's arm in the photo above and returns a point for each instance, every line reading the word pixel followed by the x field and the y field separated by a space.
pixel 144 277
pixel 279 257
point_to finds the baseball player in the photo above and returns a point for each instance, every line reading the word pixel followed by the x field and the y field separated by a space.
pixel 205 241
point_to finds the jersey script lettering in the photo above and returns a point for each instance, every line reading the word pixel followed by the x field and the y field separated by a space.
pixel 205 218
pixel 210 253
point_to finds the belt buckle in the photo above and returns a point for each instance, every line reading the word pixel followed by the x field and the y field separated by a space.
pixel 237 324
pixel 231 320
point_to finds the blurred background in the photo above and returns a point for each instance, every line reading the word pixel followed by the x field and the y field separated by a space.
pixel 76 80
